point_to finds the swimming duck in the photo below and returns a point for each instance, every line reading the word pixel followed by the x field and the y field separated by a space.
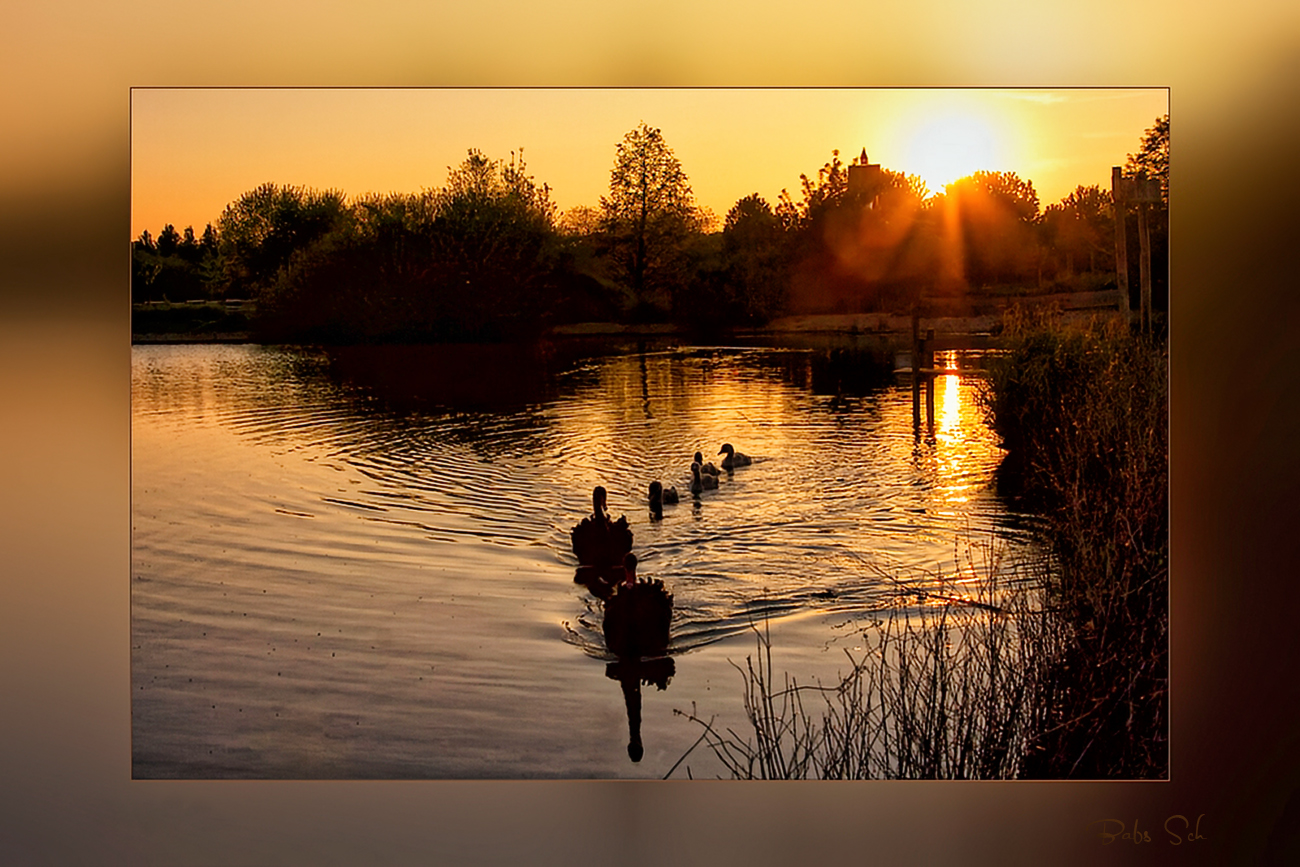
pixel 598 541
pixel 637 615
pixel 733 458
pixel 707 469
pixel 661 496
pixel 701 481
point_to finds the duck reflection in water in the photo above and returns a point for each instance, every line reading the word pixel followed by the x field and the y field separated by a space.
pixel 631 675
pixel 636 624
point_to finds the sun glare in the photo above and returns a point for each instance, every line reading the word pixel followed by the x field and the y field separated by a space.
pixel 951 146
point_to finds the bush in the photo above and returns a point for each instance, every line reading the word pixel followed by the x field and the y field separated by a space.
pixel 1083 412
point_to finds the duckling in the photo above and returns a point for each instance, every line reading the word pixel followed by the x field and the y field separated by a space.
pixel 707 469
pixel 733 458
pixel 701 481
pixel 661 496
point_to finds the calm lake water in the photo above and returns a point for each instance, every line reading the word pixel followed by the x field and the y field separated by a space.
pixel 356 563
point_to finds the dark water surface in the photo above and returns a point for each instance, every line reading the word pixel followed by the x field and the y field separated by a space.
pixel 356 563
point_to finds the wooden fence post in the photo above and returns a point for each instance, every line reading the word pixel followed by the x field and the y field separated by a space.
pixel 1118 199
pixel 1144 264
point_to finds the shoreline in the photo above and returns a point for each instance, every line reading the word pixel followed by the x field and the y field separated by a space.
pixel 958 320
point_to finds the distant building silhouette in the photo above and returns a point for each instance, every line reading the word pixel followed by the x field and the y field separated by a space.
pixel 865 177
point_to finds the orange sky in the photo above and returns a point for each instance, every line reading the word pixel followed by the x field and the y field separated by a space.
pixel 195 150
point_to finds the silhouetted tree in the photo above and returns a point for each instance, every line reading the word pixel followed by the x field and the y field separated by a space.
pixel 168 240
pixel 208 243
pixel 1079 231
pixel 145 267
pixel 648 215
pixel 176 268
pixel 492 243
pixel 755 260
pixel 189 245
pixel 1152 157
pixel 994 216
pixel 361 280
pixel 475 259
pixel 261 230
pixel 825 192
pixel 854 249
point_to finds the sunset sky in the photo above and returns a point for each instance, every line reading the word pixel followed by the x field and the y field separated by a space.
pixel 193 151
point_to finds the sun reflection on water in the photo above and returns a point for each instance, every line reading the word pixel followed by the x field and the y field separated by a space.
pixel 959 432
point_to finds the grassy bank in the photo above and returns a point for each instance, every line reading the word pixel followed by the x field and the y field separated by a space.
pixel 193 321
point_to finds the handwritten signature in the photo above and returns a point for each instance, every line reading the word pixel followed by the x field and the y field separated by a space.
pixel 1178 828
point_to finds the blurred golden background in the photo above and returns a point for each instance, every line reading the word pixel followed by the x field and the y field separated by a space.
pixel 1234 74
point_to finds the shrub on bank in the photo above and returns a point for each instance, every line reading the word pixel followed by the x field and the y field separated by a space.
pixel 1083 413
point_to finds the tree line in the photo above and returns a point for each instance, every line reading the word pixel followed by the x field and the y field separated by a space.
pixel 488 255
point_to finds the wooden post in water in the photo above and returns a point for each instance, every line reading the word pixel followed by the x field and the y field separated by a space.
pixel 1118 199
pixel 929 379
pixel 916 368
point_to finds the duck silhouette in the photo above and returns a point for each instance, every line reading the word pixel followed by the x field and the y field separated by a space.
pixel 707 469
pixel 598 542
pixel 701 481
pixel 661 496
pixel 733 458
pixel 637 615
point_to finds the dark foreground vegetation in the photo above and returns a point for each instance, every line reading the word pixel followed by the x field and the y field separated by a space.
pixel 488 256
pixel 1055 669
pixel 1084 415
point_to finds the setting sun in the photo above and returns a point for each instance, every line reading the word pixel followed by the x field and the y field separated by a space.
pixel 942 149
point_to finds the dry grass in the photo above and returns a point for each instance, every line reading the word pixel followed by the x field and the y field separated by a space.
pixel 944 691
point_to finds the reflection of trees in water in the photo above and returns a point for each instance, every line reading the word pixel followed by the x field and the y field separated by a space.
pixel 491 392
pixel 509 378
pixel 496 377
pixel 835 371
pixel 253 387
